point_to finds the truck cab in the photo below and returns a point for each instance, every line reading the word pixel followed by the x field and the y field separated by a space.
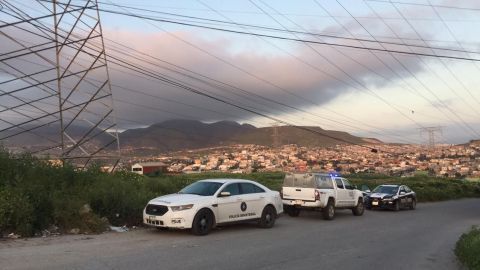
pixel 322 192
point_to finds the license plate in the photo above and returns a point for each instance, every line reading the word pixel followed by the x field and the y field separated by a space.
pixel 374 203
pixel 298 202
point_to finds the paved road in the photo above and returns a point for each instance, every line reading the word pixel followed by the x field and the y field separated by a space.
pixel 420 239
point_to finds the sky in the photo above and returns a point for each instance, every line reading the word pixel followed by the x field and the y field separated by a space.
pixel 371 93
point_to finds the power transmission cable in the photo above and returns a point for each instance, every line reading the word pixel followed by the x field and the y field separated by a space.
pixel 287 38
pixel 303 62
pixel 452 34
pixel 343 71
pixel 303 32
pixel 468 128
pixel 436 96
pixel 426 5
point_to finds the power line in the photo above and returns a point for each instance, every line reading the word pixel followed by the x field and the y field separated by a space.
pixel 289 39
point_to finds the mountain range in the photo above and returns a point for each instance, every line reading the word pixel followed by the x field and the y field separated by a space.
pixel 174 135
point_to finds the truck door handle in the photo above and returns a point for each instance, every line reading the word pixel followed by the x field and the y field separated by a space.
pixel 298 189
pixel 262 197
pixel 239 199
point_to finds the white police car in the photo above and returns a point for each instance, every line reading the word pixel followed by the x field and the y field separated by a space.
pixel 207 203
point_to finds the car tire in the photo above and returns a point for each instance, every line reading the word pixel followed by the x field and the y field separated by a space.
pixel 292 211
pixel 396 207
pixel 268 217
pixel 203 222
pixel 413 205
pixel 329 211
pixel 359 209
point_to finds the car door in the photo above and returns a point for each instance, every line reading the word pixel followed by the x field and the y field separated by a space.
pixel 350 195
pixel 409 195
pixel 342 193
pixel 229 206
pixel 253 202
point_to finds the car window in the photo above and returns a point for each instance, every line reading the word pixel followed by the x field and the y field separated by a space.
pixel 324 182
pixel 248 188
pixel 386 189
pixel 347 184
pixel 201 188
pixel 234 189
pixel 339 182
pixel 299 180
pixel 289 180
pixel 407 189
pixel 402 189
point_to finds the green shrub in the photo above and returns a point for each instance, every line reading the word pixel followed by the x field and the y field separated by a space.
pixel 16 213
pixel 468 249
pixel 35 194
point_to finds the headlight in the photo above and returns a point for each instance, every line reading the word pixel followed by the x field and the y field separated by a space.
pixel 181 207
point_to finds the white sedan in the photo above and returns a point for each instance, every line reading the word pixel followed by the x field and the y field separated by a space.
pixel 207 203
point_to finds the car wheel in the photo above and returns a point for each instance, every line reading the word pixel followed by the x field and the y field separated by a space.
pixel 203 222
pixel 292 211
pixel 329 211
pixel 413 205
pixel 359 209
pixel 268 217
pixel 396 207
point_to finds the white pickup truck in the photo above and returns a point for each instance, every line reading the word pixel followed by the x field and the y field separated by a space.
pixel 320 191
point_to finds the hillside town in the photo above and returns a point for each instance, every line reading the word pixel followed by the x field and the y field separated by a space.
pixel 451 161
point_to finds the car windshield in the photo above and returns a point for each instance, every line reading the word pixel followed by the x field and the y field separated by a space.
pixel 386 189
pixel 201 188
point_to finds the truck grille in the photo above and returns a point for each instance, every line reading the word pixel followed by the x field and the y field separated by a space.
pixel 156 210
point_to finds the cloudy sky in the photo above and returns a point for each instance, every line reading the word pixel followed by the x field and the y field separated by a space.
pixel 368 92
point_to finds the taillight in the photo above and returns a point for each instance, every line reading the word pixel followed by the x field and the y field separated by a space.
pixel 317 195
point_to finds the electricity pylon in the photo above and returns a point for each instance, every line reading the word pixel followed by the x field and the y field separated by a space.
pixel 55 93
pixel 431 131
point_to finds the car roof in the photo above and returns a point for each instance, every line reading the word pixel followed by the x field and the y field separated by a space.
pixel 390 185
pixel 224 180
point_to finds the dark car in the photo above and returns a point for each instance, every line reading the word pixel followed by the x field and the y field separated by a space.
pixel 393 197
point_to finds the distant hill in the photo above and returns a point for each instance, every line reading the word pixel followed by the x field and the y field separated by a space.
pixel 176 135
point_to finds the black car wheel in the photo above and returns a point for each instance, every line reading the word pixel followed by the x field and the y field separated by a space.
pixel 292 211
pixel 203 222
pixel 359 209
pixel 413 205
pixel 329 211
pixel 268 217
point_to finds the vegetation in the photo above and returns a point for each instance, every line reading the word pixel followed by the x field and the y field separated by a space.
pixel 468 249
pixel 35 194
pixel 428 188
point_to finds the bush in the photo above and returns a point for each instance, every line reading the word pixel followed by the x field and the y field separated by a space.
pixel 16 213
pixel 35 194
pixel 468 249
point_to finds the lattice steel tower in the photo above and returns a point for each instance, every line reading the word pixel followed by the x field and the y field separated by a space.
pixel 55 93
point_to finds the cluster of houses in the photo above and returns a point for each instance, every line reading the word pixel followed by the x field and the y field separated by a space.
pixel 444 160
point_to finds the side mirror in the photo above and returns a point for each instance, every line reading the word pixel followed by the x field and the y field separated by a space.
pixel 224 194
pixel 368 191
pixel 402 192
